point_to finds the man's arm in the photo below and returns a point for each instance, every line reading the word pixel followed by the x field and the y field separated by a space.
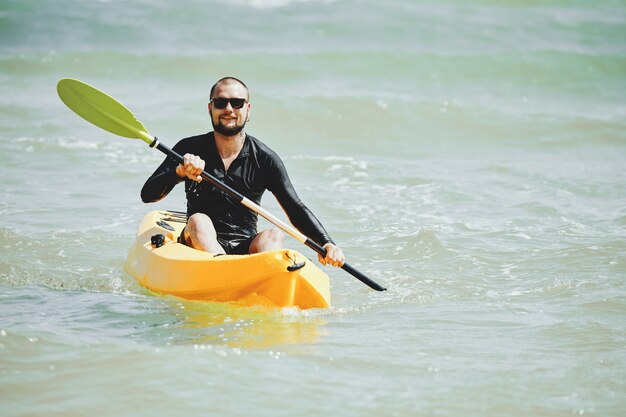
pixel 299 214
pixel 161 182
pixel 170 173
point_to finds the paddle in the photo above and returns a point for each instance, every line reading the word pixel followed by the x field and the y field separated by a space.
pixel 105 112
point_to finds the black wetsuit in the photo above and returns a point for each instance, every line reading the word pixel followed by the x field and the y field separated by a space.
pixel 257 168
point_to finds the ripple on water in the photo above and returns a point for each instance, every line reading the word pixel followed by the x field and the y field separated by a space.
pixel 64 260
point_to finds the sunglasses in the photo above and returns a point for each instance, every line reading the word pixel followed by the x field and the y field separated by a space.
pixel 221 103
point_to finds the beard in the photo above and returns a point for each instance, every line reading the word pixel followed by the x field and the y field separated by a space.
pixel 227 131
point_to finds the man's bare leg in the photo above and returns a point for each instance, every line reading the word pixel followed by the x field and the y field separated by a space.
pixel 200 234
pixel 268 239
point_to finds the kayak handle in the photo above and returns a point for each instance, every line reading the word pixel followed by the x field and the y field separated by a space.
pixel 295 267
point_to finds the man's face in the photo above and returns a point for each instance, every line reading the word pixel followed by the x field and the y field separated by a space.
pixel 229 121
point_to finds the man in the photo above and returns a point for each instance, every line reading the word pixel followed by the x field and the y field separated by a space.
pixel 217 223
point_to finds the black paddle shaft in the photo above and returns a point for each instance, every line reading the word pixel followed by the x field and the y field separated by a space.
pixel 240 198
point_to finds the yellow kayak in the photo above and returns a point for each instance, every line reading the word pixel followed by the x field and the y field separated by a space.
pixel 281 278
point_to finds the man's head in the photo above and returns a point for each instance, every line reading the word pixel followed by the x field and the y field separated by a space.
pixel 229 106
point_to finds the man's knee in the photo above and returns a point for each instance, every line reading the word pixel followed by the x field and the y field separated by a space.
pixel 275 235
pixel 200 227
pixel 200 234
pixel 268 239
pixel 199 222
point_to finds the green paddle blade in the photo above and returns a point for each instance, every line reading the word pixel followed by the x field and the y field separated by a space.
pixel 101 109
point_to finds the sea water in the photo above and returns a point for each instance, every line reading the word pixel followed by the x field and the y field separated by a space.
pixel 468 155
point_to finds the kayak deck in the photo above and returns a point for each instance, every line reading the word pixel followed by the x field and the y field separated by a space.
pixel 281 278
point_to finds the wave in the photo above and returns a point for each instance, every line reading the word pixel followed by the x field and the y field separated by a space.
pixel 159 26
pixel 437 87
pixel 90 261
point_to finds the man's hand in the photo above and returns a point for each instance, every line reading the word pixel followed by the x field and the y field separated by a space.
pixel 191 167
pixel 334 256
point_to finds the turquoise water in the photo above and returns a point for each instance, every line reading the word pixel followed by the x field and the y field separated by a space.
pixel 468 155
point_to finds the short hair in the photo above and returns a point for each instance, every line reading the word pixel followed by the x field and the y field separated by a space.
pixel 228 80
